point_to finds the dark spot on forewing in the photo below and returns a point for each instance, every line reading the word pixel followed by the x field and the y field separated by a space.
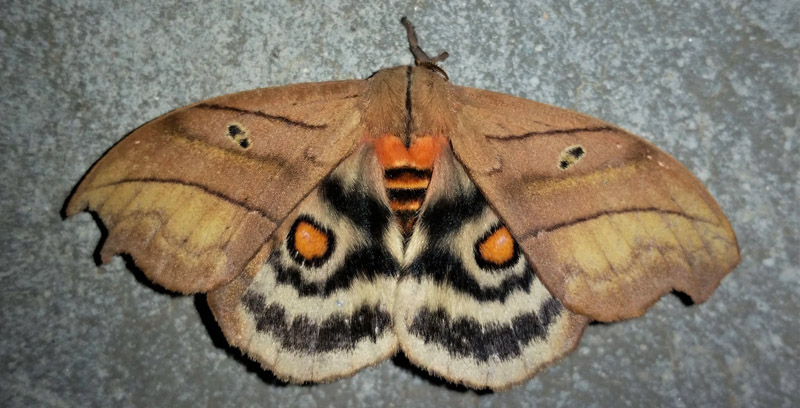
pixel 576 152
pixel 239 135
pixel 570 156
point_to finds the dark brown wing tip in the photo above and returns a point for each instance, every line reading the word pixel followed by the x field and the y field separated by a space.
pixel 421 58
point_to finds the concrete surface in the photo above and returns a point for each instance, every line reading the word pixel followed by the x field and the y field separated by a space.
pixel 715 83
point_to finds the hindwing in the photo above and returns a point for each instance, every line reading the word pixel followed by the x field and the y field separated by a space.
pixel 316 303
pixel 469 306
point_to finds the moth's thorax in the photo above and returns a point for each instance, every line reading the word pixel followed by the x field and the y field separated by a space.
pixel 407 173
pixel 409 102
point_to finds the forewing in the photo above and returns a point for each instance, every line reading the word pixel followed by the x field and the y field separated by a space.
pixel 609 222
pixel 194 194
pixel 316 303
pixel 469 307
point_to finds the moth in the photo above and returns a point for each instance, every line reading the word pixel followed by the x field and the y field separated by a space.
pixel 334 224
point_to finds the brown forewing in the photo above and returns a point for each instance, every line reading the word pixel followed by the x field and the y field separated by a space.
pixel 158 186
pixel 608 234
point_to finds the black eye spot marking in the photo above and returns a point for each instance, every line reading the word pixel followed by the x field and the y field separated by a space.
pixel 576 152
pixel 309 243
pixel 238 134
pixel 234 130
pixel 570 156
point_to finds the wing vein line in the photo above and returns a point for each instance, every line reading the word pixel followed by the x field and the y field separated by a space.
pixel 687 254
pixel 260 114
pixel 200 187
pixel 700 237
pixel 504 138
pixel 554 227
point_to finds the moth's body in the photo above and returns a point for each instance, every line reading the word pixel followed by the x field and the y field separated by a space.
pixel 407 173
pixel 406 125
pixel 333 223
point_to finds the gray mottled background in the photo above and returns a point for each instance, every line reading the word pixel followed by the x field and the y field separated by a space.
pixel 716 84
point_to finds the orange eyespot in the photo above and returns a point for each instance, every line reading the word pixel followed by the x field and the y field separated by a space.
pixel 497 249
pixel 309 243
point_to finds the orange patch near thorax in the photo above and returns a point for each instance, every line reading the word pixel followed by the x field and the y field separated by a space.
pixel 420 155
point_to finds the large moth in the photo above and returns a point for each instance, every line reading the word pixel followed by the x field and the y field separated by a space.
pixel 332 224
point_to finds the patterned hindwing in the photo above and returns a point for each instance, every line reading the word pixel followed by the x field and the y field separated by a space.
pixel 316 304
pixel 469 307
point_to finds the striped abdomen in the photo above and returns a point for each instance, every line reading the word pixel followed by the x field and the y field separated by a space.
pixel 406 187
pixel 407 174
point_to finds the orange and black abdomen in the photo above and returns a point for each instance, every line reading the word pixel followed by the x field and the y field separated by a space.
pixel 406 187
pixel 407 173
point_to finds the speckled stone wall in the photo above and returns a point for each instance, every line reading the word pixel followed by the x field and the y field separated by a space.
pixel 715 83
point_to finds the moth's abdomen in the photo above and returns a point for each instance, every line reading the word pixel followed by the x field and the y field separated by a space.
pixel 406 187
pixel 407 173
